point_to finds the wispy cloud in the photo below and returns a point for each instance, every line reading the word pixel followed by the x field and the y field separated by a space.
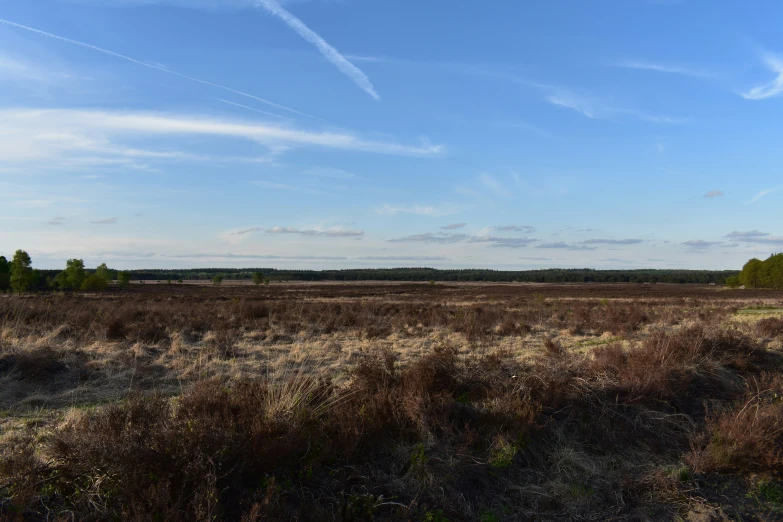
pixel 439 237
pixel 772 88
pixel 747 235
pixel 254 256
pixel 580 104
pixel 284 186
pixel 713 194
pixel 403 258
pixel 419 210
pixel 329 52
pixel 50 134
pixel 525 229
pixel 450 237
pixel 663 68
pixel 453 226
pixel 59 220
pixel 335 232
pixel 492 184
pixel 530 127
pixel 106 221
pixel 15 68
pixel 266 113
pixel 597 109
pixel 152 66
pixel 323 172
pixel 754 236
pixel 700 244
pixel 246 231
pixel 612 241
pixel 565 246
pixel 761 194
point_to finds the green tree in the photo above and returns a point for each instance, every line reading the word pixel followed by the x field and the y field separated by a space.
pixel 94 283
pixel 103 272
pixel 750 276
pixel 5 274
pixel 217 280
pixel 733 281
pixel 258 278
pixel 21 271
pixel 123 279
pixel 74 274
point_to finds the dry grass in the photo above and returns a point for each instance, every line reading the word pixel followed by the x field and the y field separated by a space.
pixel 388 402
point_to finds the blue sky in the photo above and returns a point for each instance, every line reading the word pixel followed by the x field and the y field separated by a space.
pixel 378 133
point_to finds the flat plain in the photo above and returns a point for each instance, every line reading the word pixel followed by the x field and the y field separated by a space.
pixel 392 401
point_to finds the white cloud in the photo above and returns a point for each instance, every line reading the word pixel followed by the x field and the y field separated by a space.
pixel 453 226
pixel 713 194
pixel 329 52
pixel 85 136
pixel 772 88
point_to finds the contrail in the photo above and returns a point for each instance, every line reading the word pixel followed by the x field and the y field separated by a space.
pixel 254 110
pixel 156 67
pixel 329 52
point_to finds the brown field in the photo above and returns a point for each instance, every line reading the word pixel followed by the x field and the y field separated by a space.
pixel 392 401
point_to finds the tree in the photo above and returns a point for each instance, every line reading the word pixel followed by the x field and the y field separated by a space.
pixel 763 274
pixel 733 281
pixel 123 279
pixel 258 278
pixel 103 272
pixel 217 280
pixel 74 274
pixel 21 271
pixel 94 283
pixel 5 274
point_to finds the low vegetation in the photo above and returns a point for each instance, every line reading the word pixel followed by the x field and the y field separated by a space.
pixel 391 402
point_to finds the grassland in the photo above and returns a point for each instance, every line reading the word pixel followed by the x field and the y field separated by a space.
pixel 397 401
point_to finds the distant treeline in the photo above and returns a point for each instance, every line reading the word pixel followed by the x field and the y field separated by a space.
pixel 577 275
pixel 760 274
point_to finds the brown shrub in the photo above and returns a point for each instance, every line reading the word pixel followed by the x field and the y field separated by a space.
pixel 771 326
pixel 747 437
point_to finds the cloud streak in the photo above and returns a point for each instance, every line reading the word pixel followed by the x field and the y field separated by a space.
pixel 663 68
pixel 329 52
pixel 769 89
pixel 761 194
pixel 333 233
pixel 152 66
pixel 29 134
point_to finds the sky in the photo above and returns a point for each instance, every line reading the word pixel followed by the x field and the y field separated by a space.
pixel 376 133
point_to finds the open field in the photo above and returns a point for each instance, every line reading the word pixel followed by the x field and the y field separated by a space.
pixel 392 401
